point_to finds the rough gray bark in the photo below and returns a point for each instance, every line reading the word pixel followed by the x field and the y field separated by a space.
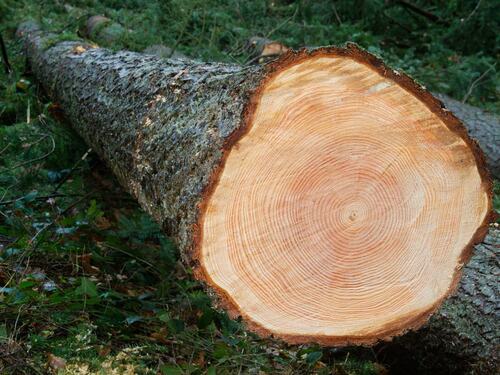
pixel 161 126
pixel 120 102
pixel 482 126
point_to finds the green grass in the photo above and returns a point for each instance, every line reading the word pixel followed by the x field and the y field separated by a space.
pixel 85 275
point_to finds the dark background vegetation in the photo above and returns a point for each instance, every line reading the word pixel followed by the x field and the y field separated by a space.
pixel 87 281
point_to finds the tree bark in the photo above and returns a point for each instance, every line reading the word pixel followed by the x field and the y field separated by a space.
pixel 165 128
pixel 118 103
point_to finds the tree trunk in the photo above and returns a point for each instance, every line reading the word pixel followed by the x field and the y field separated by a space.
pixel 324 197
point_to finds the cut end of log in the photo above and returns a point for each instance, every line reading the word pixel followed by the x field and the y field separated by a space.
pixel 344 212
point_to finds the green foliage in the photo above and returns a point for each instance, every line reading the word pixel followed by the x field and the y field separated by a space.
pixel 57 38
pixel 87 276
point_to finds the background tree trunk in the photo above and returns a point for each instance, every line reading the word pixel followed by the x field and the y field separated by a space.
pixel 120 102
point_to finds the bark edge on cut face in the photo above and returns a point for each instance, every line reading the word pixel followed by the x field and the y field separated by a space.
pixel 292 60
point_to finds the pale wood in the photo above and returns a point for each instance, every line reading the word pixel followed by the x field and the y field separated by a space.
pixel 345 209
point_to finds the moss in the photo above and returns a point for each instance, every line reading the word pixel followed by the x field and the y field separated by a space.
pixel 54 39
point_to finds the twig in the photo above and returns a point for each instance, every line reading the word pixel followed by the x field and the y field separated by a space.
pixel 396 22
pixel 44 197
pixel 14 333
pixel 130 255
pixel 39 158
pixel 346 358
pixel 73 168
pixel 473 12
pixel 283 23
pixel 6 190
pixel 336 13
pixel 5 148
pixel 28 112
pixel 41 118
pixel 6 64
pixel 422 12
pixel 475 83
pixel 32 244
pixel 75 203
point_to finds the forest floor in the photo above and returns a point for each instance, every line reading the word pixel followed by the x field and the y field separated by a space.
pixel 88 283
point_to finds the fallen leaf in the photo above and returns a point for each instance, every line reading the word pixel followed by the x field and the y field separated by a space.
pixel 104 351
pixel 160 336
pixel 56 363
pixel 84 260
pixel 102 223
pixel 201 359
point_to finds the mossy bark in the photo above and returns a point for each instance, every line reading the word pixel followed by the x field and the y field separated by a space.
pixel 162 127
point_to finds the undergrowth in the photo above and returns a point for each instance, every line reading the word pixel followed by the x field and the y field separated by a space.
pixel 88 283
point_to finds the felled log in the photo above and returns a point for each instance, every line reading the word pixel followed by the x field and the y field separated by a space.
pixel 463 336
pixel 106 32
pixel 103 30
pixel 164 52
pixel 324 198
pixel 263 49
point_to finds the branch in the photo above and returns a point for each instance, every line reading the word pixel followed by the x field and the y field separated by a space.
pixel 68 175
pixel 7 66
pixel 422 12
pixel 476 82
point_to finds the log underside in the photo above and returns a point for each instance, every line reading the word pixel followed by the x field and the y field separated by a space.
pixel 271 178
